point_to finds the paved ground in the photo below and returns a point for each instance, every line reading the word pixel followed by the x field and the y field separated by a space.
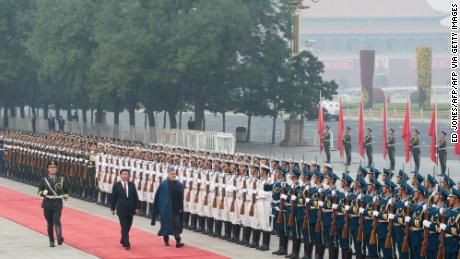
pixel 19 242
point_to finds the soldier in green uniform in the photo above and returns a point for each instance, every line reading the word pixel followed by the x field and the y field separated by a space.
pixel 54 190
pixel 442 154
pixel 346 140
pixel 391 148
pixel 368 147
pixel 327 144
pixel 415 149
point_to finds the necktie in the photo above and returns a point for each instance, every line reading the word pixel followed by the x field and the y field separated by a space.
pixel 124 189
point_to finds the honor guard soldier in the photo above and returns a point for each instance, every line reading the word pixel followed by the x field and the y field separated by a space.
pixel 280 188
pixel 327 144
pixel 347 144
pixel 369 200
pixel 436 203
pixel 342 234
pixel 263 211
pixel 415 149
pixel 54 190
pixel 403 201
pixel 391 148
pixel 294 222
pixel 91 191
pixel 385 206
pixel 368 147
pixel 450 225
pixel 442 154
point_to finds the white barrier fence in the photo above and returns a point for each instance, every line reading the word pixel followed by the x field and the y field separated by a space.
pixel 193 139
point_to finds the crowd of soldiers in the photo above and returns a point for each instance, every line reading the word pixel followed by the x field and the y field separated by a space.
pixel 246 198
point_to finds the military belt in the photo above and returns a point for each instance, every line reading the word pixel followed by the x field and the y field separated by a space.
pixel 52 197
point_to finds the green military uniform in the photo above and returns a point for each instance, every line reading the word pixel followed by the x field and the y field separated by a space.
pixel 53 189
pixel 347 143
pixel 442 155
pixel 415 152
pixel 391 150
pixel 368 147
pixel 327 146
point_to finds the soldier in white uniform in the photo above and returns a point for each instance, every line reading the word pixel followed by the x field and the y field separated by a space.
pixel 264 207
pixel 241 198
pixel 248 219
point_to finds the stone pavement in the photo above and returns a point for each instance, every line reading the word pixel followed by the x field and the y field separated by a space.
pixel 312 154
pixel 17 241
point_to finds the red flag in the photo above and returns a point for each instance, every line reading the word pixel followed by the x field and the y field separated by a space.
pixel 320 125
pixel 361 128
pixel 406 135
pixel 339 138
pixel 433 133
pixel 384 142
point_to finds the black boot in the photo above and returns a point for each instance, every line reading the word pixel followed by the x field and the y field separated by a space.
pixel 217 229
pixel 236 233
pixel 186 220
pixel 265 241
pixel 108 199
pixel 320 251
pixel 209 226
pixel 193 222
pixel 335 252
pixel 283 242
pixel 246 236
pixel 59 236
pixel 255 238
pixel 307 250
pixel 227 230
pixel 51 234
pixel 202 224
pixel 292 254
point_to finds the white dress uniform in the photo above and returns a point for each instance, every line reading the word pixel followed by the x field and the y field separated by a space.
pixel 241 198
pixel 263 206
pixel 229 189
pixel 251 220
pixel 207 193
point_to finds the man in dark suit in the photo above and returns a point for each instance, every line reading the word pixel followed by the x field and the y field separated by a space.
pixel 125 203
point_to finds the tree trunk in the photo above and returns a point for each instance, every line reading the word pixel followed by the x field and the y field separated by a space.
pixel 116 114
pixel 22 111
pixel 223 121
pixel 34 111
pixel 172 119
pixel 99 112
pixel 248 136
pixel 69 113
pixel 151 117
pixel 164 120
pixel 5 117
pixel 132 114
pixel 58 112
pixel 45 112
pixel 302 119
pixel 92 116
pixel 12 111
pixel 199 115
pixel 180 119
pixel 84 117
pixel 275 116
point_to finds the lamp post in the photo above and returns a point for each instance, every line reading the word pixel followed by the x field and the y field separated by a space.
pixel 296 6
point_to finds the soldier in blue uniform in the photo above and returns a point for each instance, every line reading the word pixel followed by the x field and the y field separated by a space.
pixel 359 188
pixel 386 200
pixel 447 183
pixel 452 226
pixel 387 173
pixel 415 219
pixel 404 200
pixel 436 202
pixel 294 228
pixel 401 177
pixel 342 207
pixel 280 188
pixel 430 183
pixel 328 193
pixel 302 221
pixel 369 199
pixel 308 228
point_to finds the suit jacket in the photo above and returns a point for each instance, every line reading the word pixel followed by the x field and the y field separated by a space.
pixel 124 205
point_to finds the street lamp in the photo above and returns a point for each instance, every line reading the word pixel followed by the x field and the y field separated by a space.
pixel 296 6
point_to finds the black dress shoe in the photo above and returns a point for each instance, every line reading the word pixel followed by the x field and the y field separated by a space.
pixel 179 245
pixel 127 247
pixel 52 244
pixel 60 241
pixel 166 244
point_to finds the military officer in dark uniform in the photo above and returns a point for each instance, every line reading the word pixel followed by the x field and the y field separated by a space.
pixel 451 226
pixel 391 148
pixel 400 204
pixel 346 140
pixel 54 190
pixel 368 147
pixel 327 144
pixel 415 149
pixel 442 154
pixel 279 190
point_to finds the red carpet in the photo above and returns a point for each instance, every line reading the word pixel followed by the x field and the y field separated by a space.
pixel 92 234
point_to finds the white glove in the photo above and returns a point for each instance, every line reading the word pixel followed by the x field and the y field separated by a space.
pixel 390 201
pixel 307 200
pixel 283 196
pixel 361 210
pixel 441 210
pixel 333 192
pixel 293 197
pixel 360 196
pixel 443 226
pixel 375 199
pixel 307 187
pixel 335 206
pixel 347 207
pixel 406 203
pixel 45 192
pixel 426 223
pixel 391 216
pixel 320 203
pixel 375 213
pixel 407 219
pixel 320 190
pixel 424 207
